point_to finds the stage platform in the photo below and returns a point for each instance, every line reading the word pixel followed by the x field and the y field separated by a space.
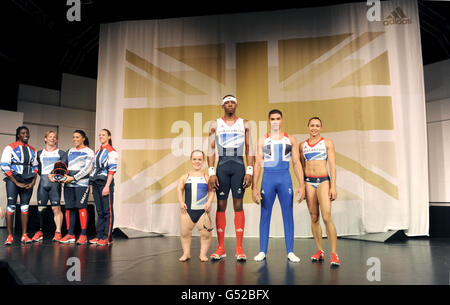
pixel 154 261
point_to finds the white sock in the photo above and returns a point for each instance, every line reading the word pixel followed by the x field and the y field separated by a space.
pixel 261 256
pixel 293 258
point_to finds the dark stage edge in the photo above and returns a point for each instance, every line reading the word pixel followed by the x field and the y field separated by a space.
pixel 154 261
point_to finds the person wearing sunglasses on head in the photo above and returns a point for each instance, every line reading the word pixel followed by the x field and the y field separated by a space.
pixel 195 207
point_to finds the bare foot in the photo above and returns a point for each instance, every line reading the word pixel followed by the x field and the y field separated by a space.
pixel 184 258
pixel 203 258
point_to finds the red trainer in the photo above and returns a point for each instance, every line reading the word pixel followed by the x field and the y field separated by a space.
pixel 334 260
pixel 220 253
pixel 94 241
pixel 67 239
pixel 25 239
pixel 82 240
pixel 9 240
pixel 38 236
pixel 102 242
pixel 57 236
pixel 240 255
pixel 319 256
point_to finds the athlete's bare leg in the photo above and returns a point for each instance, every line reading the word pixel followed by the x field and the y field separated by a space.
pixel 325 209
pixel 57 217
pixel 238 204
pixel 314 212
pixel 205 237
pixel 186 226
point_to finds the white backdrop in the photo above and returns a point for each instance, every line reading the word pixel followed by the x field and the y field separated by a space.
pixel 160 82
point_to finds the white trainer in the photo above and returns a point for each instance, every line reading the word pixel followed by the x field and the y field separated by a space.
pixel 260 257
pixel 293 258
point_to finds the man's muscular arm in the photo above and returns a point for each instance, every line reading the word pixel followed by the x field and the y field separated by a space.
pixel 249 155
pixel 213 181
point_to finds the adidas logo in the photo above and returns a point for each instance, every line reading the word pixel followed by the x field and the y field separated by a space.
pixel 398 16
pixel 222 193
pixel 9 198
pixel 219 230
pixel 239 230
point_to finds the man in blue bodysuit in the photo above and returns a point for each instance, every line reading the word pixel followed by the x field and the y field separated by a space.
pixel 274 152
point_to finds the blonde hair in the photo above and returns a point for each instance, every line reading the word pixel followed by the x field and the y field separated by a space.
pixel 49 132
pixel 197 150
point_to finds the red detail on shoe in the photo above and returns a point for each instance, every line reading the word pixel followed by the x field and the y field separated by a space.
pixel 57 236
pixel 38 236
pixel 82 240
pixel 68 239
pixel 240 255
pixel 335 259
pixel 319 256
pixel 220 253
pixel 102 242
pixel 9 240
pixel 25 239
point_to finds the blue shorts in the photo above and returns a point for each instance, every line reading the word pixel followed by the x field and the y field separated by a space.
pixel 231 176
pixel 76 197
pixel 12 191
pixel 48 190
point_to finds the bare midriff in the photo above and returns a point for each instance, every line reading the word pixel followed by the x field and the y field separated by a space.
pixel 316 168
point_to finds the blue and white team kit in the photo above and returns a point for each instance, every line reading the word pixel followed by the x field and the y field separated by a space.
pixel 196 196
pixel 80 165
pixel 48 190
pixel 230 142
pixel 105 163
pixel 18 161
pixel 276 181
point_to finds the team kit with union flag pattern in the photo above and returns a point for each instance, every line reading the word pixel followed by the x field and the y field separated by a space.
pixel 80 171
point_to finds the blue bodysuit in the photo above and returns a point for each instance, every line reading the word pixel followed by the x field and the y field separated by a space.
pixel 276 181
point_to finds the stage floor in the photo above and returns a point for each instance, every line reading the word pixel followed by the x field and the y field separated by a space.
pixel 154 261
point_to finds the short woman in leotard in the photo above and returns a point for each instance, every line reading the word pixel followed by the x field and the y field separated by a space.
pixel 315 152
pixel 195 207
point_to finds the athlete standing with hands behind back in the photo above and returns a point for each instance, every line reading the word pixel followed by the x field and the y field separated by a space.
pixel 231 134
